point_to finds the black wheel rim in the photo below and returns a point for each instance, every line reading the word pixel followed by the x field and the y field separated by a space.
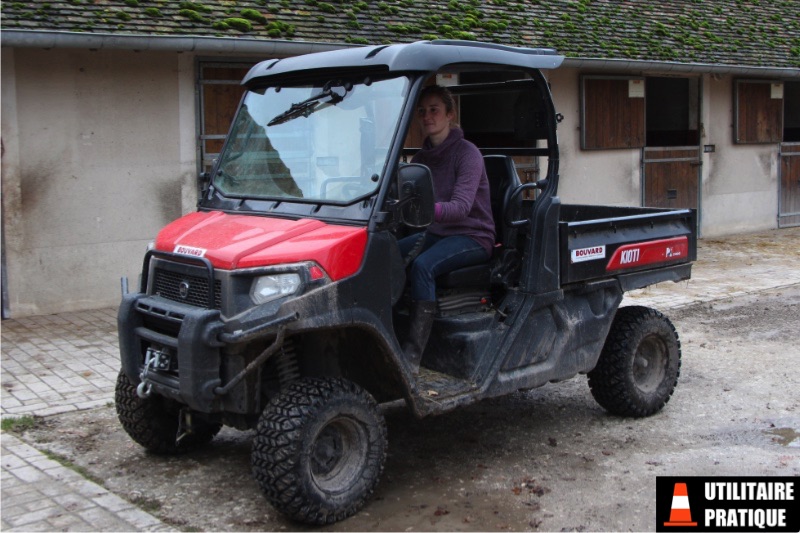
pixel 650 363
pixel 338 454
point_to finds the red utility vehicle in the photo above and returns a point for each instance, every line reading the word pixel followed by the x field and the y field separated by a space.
pixel 279 305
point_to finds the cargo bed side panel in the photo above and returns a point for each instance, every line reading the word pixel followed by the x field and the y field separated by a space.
pixel 600 242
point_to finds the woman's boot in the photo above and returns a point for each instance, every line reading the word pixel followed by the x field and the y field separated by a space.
pixel 421 321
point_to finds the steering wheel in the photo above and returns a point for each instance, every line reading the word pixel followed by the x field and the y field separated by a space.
pixel 541 184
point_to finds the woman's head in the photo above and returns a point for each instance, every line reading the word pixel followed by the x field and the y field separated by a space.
pixel 442 93
pixel 436 111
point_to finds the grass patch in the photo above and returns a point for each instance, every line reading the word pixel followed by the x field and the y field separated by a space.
pixel 180 524
pixel 21 424
pixel 146 504
pixel 65 462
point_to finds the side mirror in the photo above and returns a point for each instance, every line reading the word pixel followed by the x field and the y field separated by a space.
pixel 415 188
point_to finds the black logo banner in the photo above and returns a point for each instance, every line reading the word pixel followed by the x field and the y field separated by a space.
pixel 693 503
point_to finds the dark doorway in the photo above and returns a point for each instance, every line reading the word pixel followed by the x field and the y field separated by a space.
pixel 671 157
pixel 672 116
pixel 791 112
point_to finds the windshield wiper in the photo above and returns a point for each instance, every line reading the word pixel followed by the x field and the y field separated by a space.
pixel 309 105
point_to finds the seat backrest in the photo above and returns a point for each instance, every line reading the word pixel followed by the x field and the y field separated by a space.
pixel 503 179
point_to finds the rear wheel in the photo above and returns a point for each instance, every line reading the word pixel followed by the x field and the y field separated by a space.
pixel 154 422
pixel 319 450
pixel 639 365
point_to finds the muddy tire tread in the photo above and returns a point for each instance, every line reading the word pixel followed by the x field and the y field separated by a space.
pixel 153 423
pixel 276 453
pixel 610 381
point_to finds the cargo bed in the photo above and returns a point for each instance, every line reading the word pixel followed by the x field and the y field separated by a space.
pixel 638 245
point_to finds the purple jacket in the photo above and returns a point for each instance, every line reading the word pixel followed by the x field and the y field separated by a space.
pixel 461 189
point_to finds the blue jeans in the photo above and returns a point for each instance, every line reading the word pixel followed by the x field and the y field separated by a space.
pixel 439 255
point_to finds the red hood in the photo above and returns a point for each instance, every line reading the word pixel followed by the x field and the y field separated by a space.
pixel 243 241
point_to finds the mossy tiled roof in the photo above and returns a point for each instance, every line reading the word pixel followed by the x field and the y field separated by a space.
pixel 722 32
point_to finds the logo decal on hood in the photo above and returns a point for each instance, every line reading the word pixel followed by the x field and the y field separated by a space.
pixel 189 250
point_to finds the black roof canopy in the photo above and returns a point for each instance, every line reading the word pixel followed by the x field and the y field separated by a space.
pixel 420 56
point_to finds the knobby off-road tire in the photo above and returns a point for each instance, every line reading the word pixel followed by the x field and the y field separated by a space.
pixel 319 450
pixel 639 365
pixel 153 422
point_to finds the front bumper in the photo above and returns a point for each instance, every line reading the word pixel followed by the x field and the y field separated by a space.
pixel 189 333
pixel 202 376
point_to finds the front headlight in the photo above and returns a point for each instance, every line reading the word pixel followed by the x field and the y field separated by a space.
pixel 268 288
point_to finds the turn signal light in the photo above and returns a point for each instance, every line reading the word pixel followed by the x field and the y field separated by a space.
pixel 316 273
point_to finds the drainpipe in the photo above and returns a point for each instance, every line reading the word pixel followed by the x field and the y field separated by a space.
pixel 273 47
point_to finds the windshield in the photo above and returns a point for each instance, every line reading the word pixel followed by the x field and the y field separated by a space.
pixel 326 142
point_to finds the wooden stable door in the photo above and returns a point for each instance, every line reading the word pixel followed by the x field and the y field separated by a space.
pixel 671 157
pixel 789 203
pixel 220 93
pixel 671 176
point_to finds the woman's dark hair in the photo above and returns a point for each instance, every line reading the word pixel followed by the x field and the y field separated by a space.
pixel 445 95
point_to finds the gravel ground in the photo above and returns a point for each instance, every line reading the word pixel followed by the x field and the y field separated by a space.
pixel 548 459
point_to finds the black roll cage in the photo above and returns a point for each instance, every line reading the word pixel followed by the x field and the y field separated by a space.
pixel 419 61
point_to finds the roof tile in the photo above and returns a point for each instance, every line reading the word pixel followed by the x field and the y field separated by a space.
pixel 727 32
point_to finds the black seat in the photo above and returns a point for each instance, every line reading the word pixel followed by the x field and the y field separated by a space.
pixel 503 179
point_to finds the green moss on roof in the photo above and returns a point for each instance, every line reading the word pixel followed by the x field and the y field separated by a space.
pixel 194 6
pixel 733 32
pixel 254 15
pixel 240 24
pixel 193 15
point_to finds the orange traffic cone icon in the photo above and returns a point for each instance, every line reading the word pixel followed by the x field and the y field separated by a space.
pixel 680 515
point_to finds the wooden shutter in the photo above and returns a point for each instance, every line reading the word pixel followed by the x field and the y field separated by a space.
pixel 758 112
pixel 612 112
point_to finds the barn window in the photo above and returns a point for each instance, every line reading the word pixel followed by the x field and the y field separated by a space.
pixel 612 112
pixel 758 113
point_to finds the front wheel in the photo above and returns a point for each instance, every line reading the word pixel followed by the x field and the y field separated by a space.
pixel 319 450
pixel 154 422
pixel 639 365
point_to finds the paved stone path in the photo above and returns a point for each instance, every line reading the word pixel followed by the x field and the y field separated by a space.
pixel 40 494
pixel 730 267
pixel 58 363
pixel 67 362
